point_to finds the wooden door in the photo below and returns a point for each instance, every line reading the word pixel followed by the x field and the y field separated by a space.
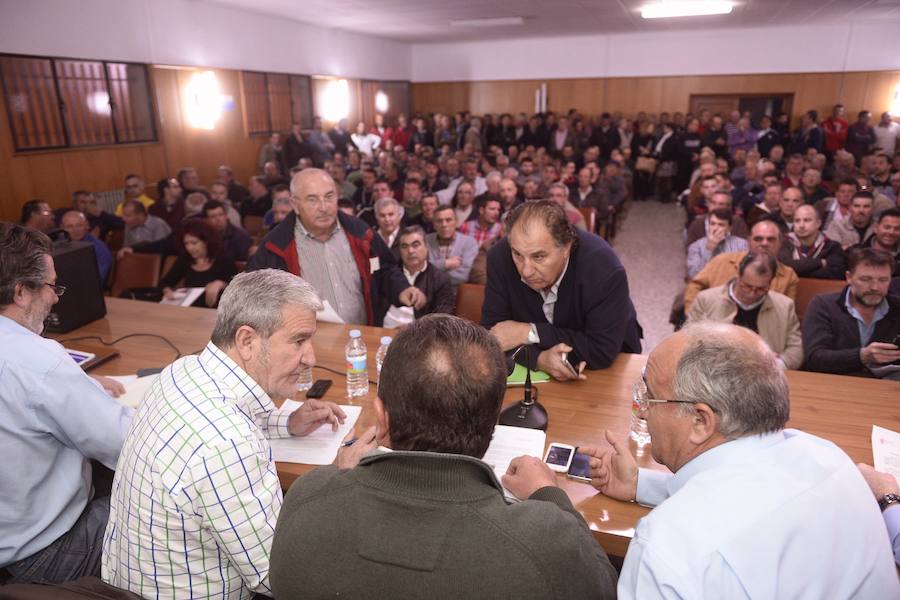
pixel 714 103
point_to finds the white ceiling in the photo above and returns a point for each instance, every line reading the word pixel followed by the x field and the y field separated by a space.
pixel 429 20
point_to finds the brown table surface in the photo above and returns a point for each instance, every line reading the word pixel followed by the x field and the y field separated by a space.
pixel 841 409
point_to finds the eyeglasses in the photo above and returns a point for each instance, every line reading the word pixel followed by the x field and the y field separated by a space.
pixel 59 290
pixel 640 393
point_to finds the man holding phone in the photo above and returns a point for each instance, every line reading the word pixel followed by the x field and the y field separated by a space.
pixel 563 290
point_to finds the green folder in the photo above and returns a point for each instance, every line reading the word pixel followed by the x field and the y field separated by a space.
pixel 518 376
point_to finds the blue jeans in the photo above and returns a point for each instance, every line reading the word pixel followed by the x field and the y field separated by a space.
pixel 76 554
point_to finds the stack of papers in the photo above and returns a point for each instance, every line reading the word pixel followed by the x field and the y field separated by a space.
pixel 183 296
pixel 886 450
pixel 135 388
pixel 509 443
pixel 319 447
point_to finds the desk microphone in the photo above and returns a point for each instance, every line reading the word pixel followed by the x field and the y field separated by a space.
pixel 528 412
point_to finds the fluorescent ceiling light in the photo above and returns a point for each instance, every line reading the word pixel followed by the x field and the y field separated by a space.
pixel 686 8
pixel 498 22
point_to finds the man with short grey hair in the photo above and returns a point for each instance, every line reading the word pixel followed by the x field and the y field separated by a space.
pixel 388 215
pixel 196 480
pixel 751 509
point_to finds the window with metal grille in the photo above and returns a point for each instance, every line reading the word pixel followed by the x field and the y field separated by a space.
pixel 275 101
pixel 64 103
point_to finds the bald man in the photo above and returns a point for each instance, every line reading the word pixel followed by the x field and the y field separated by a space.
pixel 750 509
pixel 75 223
pixel 350 267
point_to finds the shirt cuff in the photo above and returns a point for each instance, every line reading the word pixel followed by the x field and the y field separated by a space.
pixel 892 521
pixel 651 487
pixel 275 423
pixel 533 337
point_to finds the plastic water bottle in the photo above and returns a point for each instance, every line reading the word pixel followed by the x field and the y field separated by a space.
pixel 639 432
pixel 305 381
pixel 357 374
pixel 379 356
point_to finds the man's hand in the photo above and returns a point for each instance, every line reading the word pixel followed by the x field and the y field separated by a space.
pixel 714 238
pixel 550 361
pixel 111 386
pixel 526 475
pixel 348 456
pixel 613 472
pixel 454 262
pixel 123 251
pixel 510 334
pixel 880 483
pixel 313 414
pixel 413 296
pixel 879 353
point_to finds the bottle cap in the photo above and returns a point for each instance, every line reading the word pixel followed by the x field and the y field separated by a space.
pixel 386 340
pixel 355 333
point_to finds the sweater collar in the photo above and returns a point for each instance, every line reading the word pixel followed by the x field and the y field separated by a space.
pixel 431 475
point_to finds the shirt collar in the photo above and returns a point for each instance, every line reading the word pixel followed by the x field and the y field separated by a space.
pixel 416 274
pixel 250 398
pixel 880 311
pixel 299 228
pixel 554 289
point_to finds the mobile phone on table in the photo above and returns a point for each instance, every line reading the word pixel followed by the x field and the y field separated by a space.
pixel 319 388
pixel 580 468
pixel 559 457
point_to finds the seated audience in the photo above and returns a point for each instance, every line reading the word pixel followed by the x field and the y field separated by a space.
pixel 425 218
pixel 134 190
pixel 851 332
pixel 259 201
pixel 343 259
pixel 76 225
pixel 219 191
pixel 769 205
pixel 699 227
pixel 464 203
pixel 810 186
pixel 886 235
pixel 143 232
pixel 433 282
pixel 36 214
pixel 448 249
pixel 196 478
pixel 560 289
pixel 858 226
pixel 747 501
pixel 790 199
pixel 236 192
pixel 56 420
pixel 718 239
pixel 272 175
pixel 812 254
pixel 765 237
pixel 837 208
pixel 235 242
pixel 487 226
pixel 747 301
pixel 388 215
pixel 270 151
pixel 583 193
pixel 200 263
pixel 100 222
pixel 411 510
pixel 193 205
pixel 412 198
pixel 170 206
pixel 189 179
pixel 887 494
pixel 558 192
pixel 367 143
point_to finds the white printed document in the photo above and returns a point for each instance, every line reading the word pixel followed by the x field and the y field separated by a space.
pixel 886 450
pixel 135 388
pixel 509 443
pixel 183 296
pixel 328 314
pixel 319 447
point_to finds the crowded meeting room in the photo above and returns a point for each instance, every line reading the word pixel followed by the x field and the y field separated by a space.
pixel 629 269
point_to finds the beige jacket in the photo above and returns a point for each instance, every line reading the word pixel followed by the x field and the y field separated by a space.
pixel 724 267
pixel 778 324
pixel 843 232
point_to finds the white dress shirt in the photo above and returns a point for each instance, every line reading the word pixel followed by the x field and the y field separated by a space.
pixel 398 316
pixel 782 515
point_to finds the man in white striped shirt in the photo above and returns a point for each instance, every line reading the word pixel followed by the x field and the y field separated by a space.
pixel 196 494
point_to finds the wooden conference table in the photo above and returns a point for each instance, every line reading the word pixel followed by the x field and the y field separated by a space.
pixel 841 409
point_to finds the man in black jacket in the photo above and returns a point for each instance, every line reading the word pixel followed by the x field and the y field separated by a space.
pixel 852 332
pixel 350 267
pixel 434 283
pixel 562 290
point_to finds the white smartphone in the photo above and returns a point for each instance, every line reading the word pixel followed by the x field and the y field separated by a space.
pixel 559 457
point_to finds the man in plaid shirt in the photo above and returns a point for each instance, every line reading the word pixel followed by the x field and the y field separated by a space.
pixel 196 494
pixel 487 225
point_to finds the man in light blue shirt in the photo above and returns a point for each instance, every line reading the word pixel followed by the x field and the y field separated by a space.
pixel 750 510
pixel 887 494
pixel 53 420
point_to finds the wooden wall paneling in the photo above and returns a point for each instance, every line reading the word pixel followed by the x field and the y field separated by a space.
pixel 48 179
pixel 880 90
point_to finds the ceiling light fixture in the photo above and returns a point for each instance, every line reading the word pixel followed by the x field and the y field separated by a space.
pixel 686 8
pixel 498 22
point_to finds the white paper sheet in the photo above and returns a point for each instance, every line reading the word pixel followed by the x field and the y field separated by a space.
pixel 509 443
pixel 886 450
pixel 135 388
pixel 328 314
pixel 184 296
pixel 319 447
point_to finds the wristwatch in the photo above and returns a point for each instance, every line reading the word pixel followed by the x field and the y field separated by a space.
pixel 888 500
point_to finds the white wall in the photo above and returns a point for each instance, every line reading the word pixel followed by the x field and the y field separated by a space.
pixel 193 33
pixel 806 49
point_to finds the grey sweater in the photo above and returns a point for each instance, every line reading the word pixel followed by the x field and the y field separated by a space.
pixel 428 525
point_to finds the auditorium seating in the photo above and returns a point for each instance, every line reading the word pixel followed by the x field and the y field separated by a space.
pixel 590 217
pixel 808 288
pixel 469 298
pixel 253 225
pixel 135 270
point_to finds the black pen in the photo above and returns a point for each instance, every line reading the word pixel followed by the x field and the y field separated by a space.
pixel 349 442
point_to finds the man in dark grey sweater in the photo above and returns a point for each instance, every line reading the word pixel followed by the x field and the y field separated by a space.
pixel 421 515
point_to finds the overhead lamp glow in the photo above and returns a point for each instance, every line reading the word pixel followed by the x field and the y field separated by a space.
pixel 686 8
pixel 336 100
pixel 203 100
pixel 496 22
pixel 381 101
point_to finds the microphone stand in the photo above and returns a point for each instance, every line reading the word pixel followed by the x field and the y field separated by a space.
pixel 528 412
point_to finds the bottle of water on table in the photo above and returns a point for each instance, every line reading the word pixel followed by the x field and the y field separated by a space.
pixel 357 374
pixel 379 356
pixel 639 432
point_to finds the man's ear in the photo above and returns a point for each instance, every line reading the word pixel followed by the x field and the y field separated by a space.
pixel 704 424
pixel 246 342
pixel 22 296
pixel 382 423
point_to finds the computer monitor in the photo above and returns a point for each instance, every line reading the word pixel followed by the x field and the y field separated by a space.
pixel 76 269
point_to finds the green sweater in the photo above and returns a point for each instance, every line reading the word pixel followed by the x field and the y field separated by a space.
pixel 427 525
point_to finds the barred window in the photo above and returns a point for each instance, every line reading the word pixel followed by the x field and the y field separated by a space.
pixel 275 101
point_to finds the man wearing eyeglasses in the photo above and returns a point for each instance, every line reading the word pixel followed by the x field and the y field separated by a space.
pixel 747 301
pixel 750 509
pixel 53 420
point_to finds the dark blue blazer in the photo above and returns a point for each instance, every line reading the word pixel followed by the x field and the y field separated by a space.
pixel 593 312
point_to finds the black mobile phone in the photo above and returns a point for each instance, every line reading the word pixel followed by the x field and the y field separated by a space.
pixel 580 468
pixel 573 361
pixel 319 388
